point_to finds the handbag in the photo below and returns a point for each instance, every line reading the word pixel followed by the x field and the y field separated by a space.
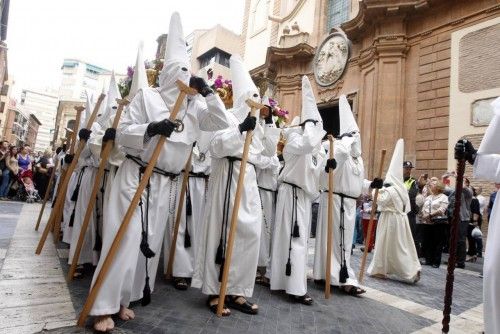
pixel 476 233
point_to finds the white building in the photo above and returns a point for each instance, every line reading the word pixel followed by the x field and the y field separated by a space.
pixel 79 76
pixel 44 106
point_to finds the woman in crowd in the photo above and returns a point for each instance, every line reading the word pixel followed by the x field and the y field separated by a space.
pixel 42 172
pixel 475 243
pixel 12 170
pixel 435 219
pixel 24 159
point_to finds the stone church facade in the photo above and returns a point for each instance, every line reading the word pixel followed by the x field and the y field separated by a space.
pixel 423 70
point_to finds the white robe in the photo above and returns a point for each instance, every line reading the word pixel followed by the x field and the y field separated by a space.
pixel 304 159
pixel 267 180
pixel 348 179
pixel 68 207
pixel 487 167
pixel 229 143
pixel 147 106
pixel 395 255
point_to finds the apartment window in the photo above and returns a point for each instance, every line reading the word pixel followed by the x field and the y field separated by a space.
pixel 214 56
pixel 338 12
pixel 259 16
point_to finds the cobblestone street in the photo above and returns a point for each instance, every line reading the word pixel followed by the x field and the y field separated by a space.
pixel 35 297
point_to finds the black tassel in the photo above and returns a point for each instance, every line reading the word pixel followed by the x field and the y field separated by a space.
pixel 221 270
pixel 74 196
pixel 187 239
pixel 98 243
pixel 296 233
pixel 146 294
pixel 218 255
pixel 288 270
pixel 148 253
pixel 189 207
pixel 72 218
pixel 343 275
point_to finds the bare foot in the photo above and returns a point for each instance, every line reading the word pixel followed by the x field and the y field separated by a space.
pixel 104 323
pixel 126 313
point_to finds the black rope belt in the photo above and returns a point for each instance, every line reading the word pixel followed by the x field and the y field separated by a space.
pixel 294 229
pixel 343 273
pixel 156 170
pixel 233 159
pixel 267 189
pixel 200 175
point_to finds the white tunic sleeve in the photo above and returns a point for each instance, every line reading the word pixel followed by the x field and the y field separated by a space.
pixel 487 166
pixel 133 124
pixel 302 144
pixel 213 116
pixel 228 142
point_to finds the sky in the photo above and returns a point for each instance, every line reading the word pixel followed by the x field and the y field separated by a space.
pixel 106 33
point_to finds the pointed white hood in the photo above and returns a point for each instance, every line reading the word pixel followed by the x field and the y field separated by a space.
pixel 348 124
pixel 309 107
pixel 89 107
pixel 140 79
pixel 176 62
pixel 243 88
pixel 491 140
pixel 108 106
pixel 394 174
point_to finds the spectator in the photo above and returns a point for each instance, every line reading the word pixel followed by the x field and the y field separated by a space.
pixel 42 172
pixel 483 203
pixel 475 244
pixel 365 219
pixel 412 188
pixel 434 216
pixel 465 217
pixel 13 170
pixel 24 159
pixel 4 150
pixel 492 200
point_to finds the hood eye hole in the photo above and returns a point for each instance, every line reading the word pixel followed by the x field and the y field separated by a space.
pixel 184 69
pixel 255 95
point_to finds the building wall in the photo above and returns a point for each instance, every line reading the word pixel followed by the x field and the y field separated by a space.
pixel 44 107
pixel 32 131
pixel 398 74
pixel 257 32
pixel 65 113
pixel 4 104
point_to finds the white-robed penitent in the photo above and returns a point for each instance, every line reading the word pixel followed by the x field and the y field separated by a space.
pixel 147 106
pixel 90 159
pixel 298 186
pixel 348 185
pixel 226 149
pixel 487 167
pixel 395 255
pixel 267 181
pixel 70 201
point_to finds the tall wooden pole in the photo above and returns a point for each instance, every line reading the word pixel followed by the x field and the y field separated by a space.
pixel 56 213
pixel 101 276
pixel 171 253
pixel 105 153
pixel 450 276
pixel 47 194
pixel 372 217
pixel 329 235
pixel 236 207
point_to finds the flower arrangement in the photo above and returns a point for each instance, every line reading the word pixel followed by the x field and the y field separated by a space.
pixel 153 69
pixel 282 115
pixel 224 88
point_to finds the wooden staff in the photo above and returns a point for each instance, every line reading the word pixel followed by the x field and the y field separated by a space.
pixel 101 276
pixel 450 276
pixel 254 106
pixel 105 153
pixel 329 235
pixel 171 254
pixel 55 215
pixel 71 141
pixel 47 193
pixel 370 224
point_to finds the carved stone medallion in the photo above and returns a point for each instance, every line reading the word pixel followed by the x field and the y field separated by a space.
pixel 331 59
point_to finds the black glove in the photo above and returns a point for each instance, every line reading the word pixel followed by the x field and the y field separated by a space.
pixel 330 164
pixel 269 117
pixel 64 147
pixel 465 150
pixel 200 85
pixel 68 158
pixel 377 183
pixel 109 134
pixel 84 134
pixel 347 134
pixel 164 128
pixel 248 124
